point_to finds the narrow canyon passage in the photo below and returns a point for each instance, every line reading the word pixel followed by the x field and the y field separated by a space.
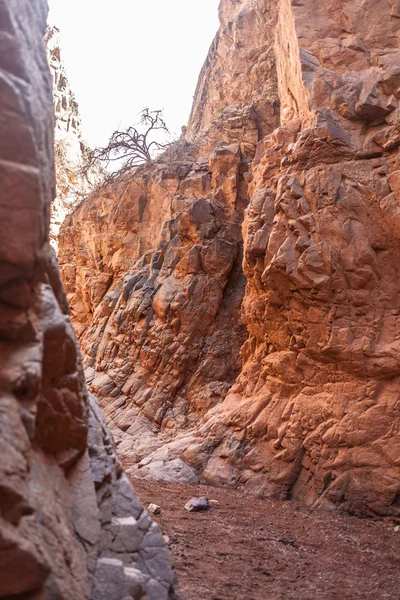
pixel 221 319
pixel 236 299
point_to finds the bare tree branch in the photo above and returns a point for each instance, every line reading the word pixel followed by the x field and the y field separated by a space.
pixel 130 148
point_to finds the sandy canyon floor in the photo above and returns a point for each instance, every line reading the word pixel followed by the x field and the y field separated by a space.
pixel 245 548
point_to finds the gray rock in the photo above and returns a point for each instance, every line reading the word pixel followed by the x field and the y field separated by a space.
pixel 109 580
pixel 197 505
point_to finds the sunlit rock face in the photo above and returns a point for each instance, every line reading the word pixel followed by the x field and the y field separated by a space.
pixel 236 96
pixel 295 120
pixel 71 526
pixel 69 146
pixel 152 269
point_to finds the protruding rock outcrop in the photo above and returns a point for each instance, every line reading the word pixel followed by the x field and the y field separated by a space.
pixel 296 114
pixel 71 526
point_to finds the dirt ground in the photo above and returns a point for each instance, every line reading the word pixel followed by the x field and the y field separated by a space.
pixel 250 549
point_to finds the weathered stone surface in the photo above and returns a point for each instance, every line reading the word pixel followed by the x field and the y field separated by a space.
pixel 161 467
pixel 152 265
pixel 314 413
pixel 152 271
pixel 236 96
pixel 66 505
pixel 154 509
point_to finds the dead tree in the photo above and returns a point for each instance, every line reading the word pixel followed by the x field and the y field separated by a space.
pixel 129 148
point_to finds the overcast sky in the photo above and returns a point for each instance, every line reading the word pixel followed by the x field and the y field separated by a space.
pixel 124 55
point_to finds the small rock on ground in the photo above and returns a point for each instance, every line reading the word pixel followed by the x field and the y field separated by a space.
pixel 197 505
pixel 154 509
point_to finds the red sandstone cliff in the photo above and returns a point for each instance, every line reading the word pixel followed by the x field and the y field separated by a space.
pixel 294 132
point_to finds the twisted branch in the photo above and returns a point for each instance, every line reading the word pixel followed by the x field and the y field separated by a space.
pixel 130 147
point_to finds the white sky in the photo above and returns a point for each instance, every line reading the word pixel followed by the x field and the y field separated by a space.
pixel 124 55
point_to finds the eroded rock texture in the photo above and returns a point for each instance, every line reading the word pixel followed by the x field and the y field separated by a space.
pixel 71 526
pixel 296 114
pixel 317 399
pixel 152 267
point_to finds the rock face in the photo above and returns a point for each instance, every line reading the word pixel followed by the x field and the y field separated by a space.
pixel 156 290
pixel 71 526
pixel 237 97
pixel 152 269
pixel 69 146
pixel 316 402
pixel 296 117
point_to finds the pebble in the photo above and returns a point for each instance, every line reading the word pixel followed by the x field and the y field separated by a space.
pixel 197 505
pixel 154 509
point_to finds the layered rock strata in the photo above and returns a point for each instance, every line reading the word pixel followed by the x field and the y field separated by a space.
pixel 71 526
pixel 314 412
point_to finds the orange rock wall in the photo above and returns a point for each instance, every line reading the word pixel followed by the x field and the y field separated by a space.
pixel 295 120
pixel 153 274
pixel 316 401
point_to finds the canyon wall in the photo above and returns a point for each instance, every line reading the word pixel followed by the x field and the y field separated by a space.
pixel 287 387
pixel 71 526
pixel 152 268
